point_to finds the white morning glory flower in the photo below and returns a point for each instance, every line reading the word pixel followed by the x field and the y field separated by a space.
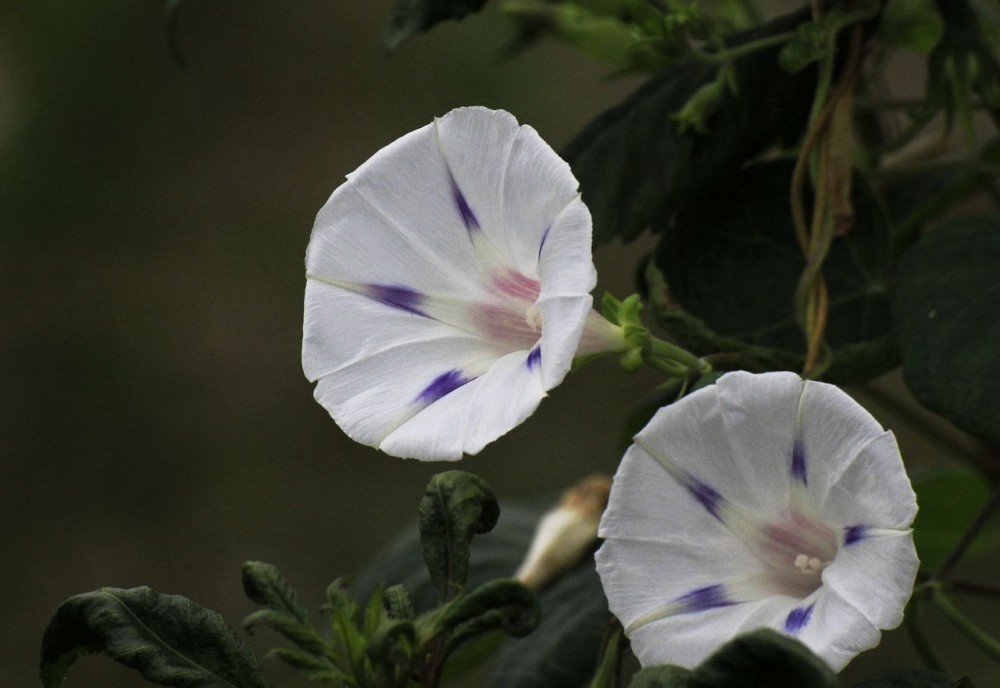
pixel 760 501
pixel 448 287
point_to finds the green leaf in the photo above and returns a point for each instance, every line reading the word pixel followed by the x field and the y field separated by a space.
pixel 503 604
pixel 726 275
pixel 265 585
pixel 312 667
pixel 411 16
pixel 634 165
pixel 456 506
pixel 909 678
pixel 949 501
pixel 945 305
pixel 169 639
pixel 763 658
pixel 562 652
pixel 666 676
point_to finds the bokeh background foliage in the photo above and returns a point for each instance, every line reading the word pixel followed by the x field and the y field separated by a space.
pixel 155 427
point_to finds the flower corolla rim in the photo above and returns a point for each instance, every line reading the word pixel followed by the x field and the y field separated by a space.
pixel 762 501
pixel 448 287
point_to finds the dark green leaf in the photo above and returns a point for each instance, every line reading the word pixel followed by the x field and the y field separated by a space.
pixel 563 649
pixel 169 639
pixel 662 677
pixel 502 604
pixel 945 305
pixel 411 16
pixel 908 678
pixel 562 652
pixel 264 584
pixel 949 501
pixel 456 506
pixel 731 266
pixel 763 658
pixel 635 168
pixel 309 665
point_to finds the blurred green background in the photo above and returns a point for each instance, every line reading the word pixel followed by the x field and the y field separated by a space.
pixel 155 426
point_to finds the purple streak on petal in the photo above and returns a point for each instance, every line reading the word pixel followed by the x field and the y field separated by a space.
pixel 400 297
pixel 705 494
pixel 545 235
pixel 854 534
pixel 799 462
pixel 443 384
pixel 534 357
pixel 468 217
pixel 798 618
pixel 700 599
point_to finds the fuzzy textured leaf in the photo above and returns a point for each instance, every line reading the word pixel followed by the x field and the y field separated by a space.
pixel 455 507
pixel 169 639
pixel 763 658
pixel 562 652
pixel 945 304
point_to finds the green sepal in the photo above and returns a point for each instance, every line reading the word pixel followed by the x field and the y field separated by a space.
pixel 809 45
pixel 597 34
pixel 456 506
pixel 169 639
pixel 960 65
pixel 945 305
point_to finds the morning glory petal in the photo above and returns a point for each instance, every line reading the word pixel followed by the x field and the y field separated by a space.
pixel 834 428
pixel 873 489
pixel 448 287
pixel 734 510
pixel 529 169
pixel 876 575
pixel 469 417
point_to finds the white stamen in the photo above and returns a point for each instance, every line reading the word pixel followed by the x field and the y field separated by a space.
pixel 809 566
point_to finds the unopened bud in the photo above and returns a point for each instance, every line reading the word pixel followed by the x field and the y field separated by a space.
pixel 565 533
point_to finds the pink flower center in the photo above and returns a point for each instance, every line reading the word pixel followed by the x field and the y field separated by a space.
pixel 796 548
pixel 512 322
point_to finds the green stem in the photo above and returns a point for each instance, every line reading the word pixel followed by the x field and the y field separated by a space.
pixel 727 55
pixel 665 351
pixel 977 636
pixel 917 637
pixel 969 536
